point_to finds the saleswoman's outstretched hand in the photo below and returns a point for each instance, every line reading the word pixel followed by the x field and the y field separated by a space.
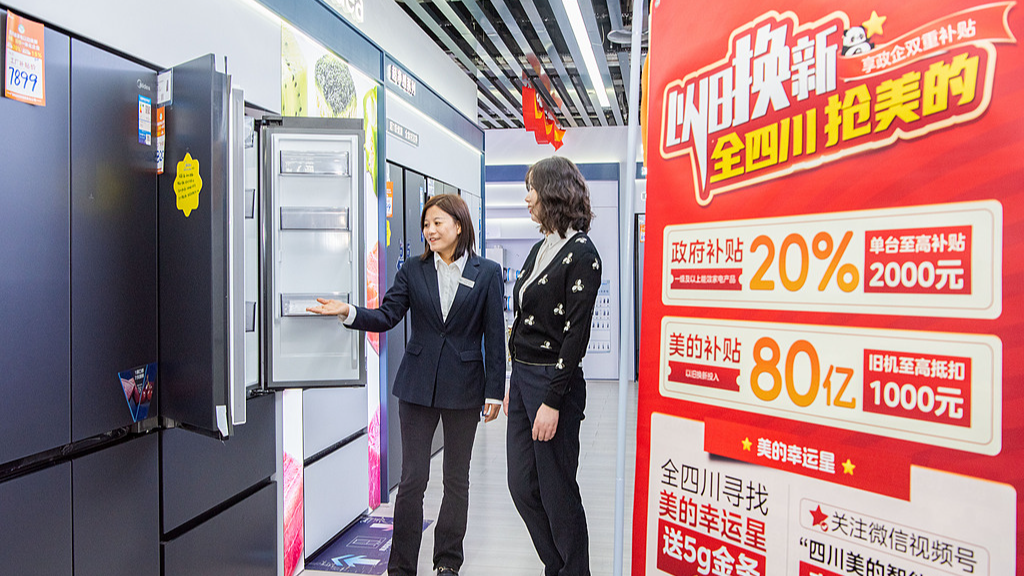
pixel 329 308
pixel 545 424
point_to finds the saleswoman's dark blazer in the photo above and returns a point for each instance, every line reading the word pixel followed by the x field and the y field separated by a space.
pixel 447 364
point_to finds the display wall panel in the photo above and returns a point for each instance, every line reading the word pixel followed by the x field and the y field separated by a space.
pixel 35 531
pixel 440 154
pixel 240 540
pixel 113 237
pixel 228 468
pixel 116 503
pixel 35 287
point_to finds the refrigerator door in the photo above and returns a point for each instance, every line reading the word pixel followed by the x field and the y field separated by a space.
pixel 199 234
pixel 35 256
pixel 415 198
pixel 113 242
pixel 312 215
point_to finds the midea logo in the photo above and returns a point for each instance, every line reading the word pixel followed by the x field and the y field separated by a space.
pixel 143 86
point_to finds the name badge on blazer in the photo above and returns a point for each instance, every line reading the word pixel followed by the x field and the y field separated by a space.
pixel 467 282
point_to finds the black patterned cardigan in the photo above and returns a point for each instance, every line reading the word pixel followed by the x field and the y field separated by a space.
pixel 552 322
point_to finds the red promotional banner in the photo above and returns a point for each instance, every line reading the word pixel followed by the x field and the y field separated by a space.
pixel 855 466
pixel 831 354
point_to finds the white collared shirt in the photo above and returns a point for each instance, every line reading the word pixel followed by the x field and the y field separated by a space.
pixel 448 276
pixel 548 249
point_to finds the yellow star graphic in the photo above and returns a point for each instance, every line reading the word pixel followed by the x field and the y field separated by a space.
pixel 848 467
pixel 874 24
pixel 747 444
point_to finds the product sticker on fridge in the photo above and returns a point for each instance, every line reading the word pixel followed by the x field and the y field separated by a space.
pixel 188 184
pixel 138 385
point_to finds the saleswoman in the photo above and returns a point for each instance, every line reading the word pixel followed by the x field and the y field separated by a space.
pixel 554 303
pixel 455 298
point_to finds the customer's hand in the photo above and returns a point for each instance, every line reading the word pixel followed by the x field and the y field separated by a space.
pixel 545 424
pixel 490 412
pixel 504 403
pixel 329 308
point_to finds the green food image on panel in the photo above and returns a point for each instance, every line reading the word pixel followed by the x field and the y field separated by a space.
pixel 335 83
pixel 294 101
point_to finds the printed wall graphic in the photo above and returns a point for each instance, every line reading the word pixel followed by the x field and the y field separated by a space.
pixel 373 361
pixel 317 83
pixel 831 366
pixel 292 486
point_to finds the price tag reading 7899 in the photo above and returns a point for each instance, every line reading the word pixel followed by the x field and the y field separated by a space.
pixel 942 260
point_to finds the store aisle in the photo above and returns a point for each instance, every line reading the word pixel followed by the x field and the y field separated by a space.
pixel 497 543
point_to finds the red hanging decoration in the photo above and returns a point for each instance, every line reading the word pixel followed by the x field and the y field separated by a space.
pixel 537 120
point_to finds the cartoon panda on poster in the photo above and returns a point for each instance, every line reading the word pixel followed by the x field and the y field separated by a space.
pixel 855 41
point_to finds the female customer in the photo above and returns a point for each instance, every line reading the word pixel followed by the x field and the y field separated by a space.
pixel 455 298
pixel 553 302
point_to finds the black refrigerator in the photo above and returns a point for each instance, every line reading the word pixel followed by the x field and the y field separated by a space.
pixel 94 404
pixel 78 323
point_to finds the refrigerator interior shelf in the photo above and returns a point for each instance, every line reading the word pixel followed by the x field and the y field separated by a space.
pixel 295 304
pixel 314 219
pixel 314 163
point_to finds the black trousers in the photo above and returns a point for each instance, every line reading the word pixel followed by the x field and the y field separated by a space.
pixel 418 424
pixel 542 475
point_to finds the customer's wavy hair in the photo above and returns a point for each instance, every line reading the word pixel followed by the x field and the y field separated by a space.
pixel 563 194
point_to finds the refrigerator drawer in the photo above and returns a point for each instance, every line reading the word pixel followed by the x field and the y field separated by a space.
pixel 117 510
pixel 228 468
pixel 336 492
pixel 329 415
pixel 240 540
pixel 35 530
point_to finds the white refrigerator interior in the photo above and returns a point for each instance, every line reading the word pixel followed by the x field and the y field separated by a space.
pixel 316 244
